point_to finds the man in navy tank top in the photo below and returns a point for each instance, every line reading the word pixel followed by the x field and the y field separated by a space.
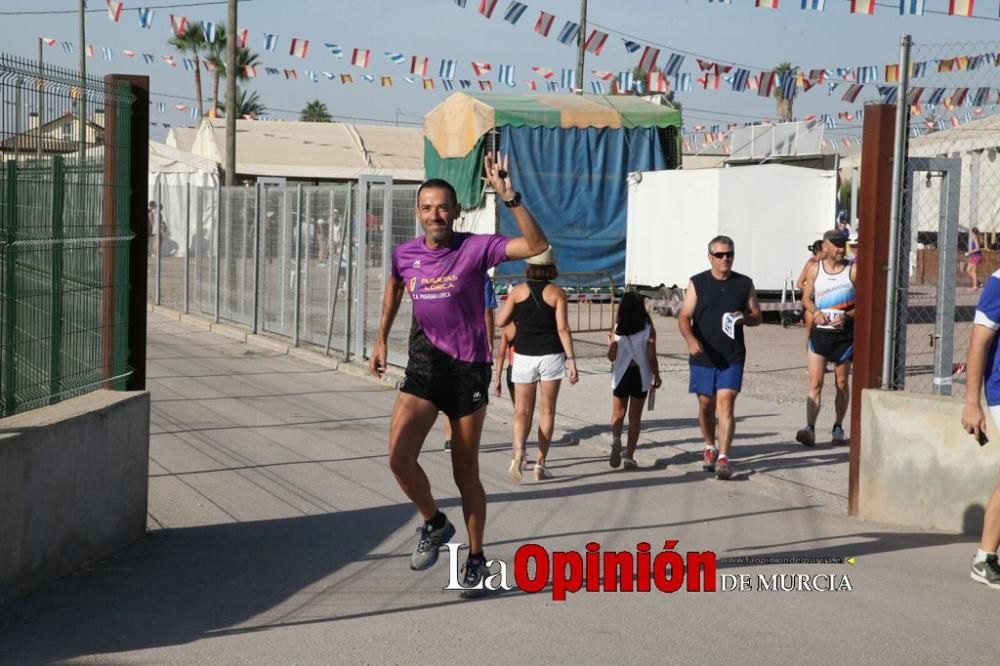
pixel 828 296
pixel 717 305
pixel 449 366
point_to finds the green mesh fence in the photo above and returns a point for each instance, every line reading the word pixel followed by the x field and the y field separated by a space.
pixel 64 234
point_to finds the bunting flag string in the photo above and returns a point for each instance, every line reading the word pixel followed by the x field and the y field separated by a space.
pixel 544 24
pixel 114 10
pixel 569 33
pixel 514 12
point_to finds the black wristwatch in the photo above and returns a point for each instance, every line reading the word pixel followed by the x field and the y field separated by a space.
pixel 515 202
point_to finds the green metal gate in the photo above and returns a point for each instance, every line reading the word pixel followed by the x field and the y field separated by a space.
pixel 64 235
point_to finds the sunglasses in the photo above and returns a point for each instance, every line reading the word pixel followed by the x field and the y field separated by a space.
pixel 723 255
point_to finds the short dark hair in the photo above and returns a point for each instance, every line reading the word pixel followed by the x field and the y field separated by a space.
pixel 632 316
pixel 721 240
pixel 541 272
pixel 439 184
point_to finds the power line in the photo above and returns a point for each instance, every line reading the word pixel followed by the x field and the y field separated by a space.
pixel 335 115
pixel 41 12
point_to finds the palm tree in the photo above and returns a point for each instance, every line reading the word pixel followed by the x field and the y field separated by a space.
pixel 315 112
pixel 216 57
pixel 247 104
pixel 192 41
pixel 784 106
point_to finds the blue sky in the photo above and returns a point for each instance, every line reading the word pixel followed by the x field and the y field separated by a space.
pixel 735 33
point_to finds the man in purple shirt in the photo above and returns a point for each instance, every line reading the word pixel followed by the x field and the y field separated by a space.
pixel 449 367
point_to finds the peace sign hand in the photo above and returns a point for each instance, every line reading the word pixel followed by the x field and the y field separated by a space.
pixel 497 175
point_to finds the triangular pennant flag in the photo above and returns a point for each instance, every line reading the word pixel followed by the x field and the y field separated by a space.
pixel 114 10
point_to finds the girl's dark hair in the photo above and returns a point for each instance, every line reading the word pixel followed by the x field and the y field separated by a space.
pixel 541 272
pixel 632 315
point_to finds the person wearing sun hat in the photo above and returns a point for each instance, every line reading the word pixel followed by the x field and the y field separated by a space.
pixel 543 355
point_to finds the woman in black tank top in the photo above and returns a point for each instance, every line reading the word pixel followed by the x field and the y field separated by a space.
pixel 543 354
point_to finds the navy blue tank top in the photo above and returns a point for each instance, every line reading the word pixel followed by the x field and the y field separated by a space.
pixel 715 299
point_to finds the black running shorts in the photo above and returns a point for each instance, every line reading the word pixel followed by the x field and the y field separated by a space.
pixel 457 388
pixel 631 384
pixel 835 346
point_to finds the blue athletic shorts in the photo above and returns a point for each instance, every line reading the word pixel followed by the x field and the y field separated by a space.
pixel 708 380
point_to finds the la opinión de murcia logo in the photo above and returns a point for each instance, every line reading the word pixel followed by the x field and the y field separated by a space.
pixel 568 572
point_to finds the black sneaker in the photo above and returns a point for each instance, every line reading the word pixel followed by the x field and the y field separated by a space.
pixel 474 574
pixel 987 572
pixel 428 544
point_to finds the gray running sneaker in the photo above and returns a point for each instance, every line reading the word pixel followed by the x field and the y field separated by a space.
pixel 722 470
pixel 838 438
pixel 987 572
pixel 474 576
pixel 428 545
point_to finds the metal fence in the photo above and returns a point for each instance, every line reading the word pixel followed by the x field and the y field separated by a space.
pixel 591 298
pixel 308 263
pixel 949 186
pixel 64 235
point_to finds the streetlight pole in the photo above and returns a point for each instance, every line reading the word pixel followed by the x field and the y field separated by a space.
pixel 231 111
pixel 581 41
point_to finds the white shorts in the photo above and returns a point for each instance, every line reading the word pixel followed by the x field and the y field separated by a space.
pixel 530 369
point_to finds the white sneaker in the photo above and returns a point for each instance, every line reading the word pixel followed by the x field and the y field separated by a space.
pixel 838 438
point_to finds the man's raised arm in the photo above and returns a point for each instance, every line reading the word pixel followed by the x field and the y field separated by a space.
pixel 532 240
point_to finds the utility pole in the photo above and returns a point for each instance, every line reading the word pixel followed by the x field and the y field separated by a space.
pixel 82 105
pixel 231 111
pixel 581 40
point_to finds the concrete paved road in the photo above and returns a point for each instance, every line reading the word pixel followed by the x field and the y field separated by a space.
pixel 278 536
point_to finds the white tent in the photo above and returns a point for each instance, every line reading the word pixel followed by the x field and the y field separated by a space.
pixel 316 151
pixel 186 187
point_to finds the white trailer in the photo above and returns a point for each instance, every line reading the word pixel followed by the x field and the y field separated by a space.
pixel 773 213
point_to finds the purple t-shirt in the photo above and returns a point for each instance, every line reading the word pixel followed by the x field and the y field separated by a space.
pixel 446 287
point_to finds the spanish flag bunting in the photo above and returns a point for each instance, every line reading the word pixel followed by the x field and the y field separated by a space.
pixel 962 63
pixel 346 79
pixel 299 48
pixel 863 7
pixel 428 84
pixel 960 7
pixel 891 73
pixel 946 64
pixel 114 10
pixel 386 81
pixel 178 24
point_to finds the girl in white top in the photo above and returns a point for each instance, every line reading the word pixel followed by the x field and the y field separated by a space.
pixel 632 350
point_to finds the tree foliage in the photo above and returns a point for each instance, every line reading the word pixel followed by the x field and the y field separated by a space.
pixel 315 112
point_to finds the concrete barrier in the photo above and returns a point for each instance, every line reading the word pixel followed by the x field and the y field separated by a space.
pixel 73 486
pixel 919 467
